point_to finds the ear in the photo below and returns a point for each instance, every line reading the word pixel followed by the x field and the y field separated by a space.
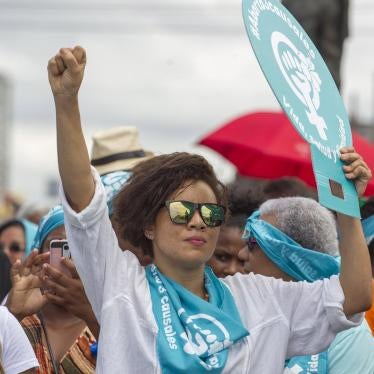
pixel 149 233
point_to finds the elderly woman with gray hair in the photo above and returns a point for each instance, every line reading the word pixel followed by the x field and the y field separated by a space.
pixel 282 247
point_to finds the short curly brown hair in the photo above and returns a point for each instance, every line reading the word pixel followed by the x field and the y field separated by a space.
pixel 152 181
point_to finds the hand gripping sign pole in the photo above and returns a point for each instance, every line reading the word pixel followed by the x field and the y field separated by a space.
pixel 307 93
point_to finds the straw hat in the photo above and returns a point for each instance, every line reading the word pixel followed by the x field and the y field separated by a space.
pixel 117 149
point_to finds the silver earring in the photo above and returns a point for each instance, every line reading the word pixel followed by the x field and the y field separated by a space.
pixel 149 236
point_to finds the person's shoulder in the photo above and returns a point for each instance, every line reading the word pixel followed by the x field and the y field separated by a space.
pixel 263 287
pixel 355 334
pixel 254 293
pixel 352 351
pixel 4 315
pixel 250 285
pixel 30 322
pixel 7 320
pixel 251 280
pixel 4 309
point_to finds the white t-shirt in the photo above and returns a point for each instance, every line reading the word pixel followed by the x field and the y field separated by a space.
pixel 284 319
pixel 17 353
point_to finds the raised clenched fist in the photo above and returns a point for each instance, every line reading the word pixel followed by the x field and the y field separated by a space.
pixel 65 71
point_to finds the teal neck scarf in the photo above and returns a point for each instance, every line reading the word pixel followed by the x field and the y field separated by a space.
pixel 194 335
pixel 317 364
pixel 301 264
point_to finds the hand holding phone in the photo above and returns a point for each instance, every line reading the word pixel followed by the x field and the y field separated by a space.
pixel 59 249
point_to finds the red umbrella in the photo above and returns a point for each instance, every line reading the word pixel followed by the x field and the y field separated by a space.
pixel 265 145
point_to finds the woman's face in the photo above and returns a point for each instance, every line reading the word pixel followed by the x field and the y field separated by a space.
pixel 225 260
pixel 255 261
pixel 189 245
pixel 12 241
pixel 57 234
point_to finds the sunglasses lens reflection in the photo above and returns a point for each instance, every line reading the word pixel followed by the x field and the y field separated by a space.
pixel 212 214
pixel 181 212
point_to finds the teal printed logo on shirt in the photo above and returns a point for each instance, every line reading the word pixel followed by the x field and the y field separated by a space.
pixel 204 336
pixel 307 93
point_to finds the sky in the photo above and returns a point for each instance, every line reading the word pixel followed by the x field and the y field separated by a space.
pixel 176 69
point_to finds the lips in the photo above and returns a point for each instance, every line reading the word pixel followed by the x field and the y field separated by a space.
pixel 196 241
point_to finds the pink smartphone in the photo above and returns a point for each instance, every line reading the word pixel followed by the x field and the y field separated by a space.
pixel 59 249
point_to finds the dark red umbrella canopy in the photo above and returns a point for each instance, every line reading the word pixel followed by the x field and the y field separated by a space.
pixel 266 145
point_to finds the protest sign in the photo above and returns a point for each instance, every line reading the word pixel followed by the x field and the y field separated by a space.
pixel 307 93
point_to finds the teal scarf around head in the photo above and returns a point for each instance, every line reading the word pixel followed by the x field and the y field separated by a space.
pixel 301 264
pixel 194 335
pixel 30 232
pixel 51 221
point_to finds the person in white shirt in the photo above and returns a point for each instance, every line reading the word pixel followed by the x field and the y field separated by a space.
pixel 16 353
pixel 175 316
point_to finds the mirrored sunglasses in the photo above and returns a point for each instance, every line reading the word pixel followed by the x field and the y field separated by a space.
pixel 181 212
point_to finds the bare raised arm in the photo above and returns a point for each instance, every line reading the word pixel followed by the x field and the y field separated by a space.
pixel 65 73
pixel 355 276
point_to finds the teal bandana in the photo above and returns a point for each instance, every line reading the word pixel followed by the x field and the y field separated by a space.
pixel 194 335
pixel 30 231
pixel 300 263
pixel 113 183
pixel 51 221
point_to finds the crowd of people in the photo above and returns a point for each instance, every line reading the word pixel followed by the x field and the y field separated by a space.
pixel 173 272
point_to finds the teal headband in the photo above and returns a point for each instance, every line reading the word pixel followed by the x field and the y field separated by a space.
pixel 298 262
pixel 51 221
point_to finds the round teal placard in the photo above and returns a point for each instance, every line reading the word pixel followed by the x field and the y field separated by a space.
pixel 298 76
